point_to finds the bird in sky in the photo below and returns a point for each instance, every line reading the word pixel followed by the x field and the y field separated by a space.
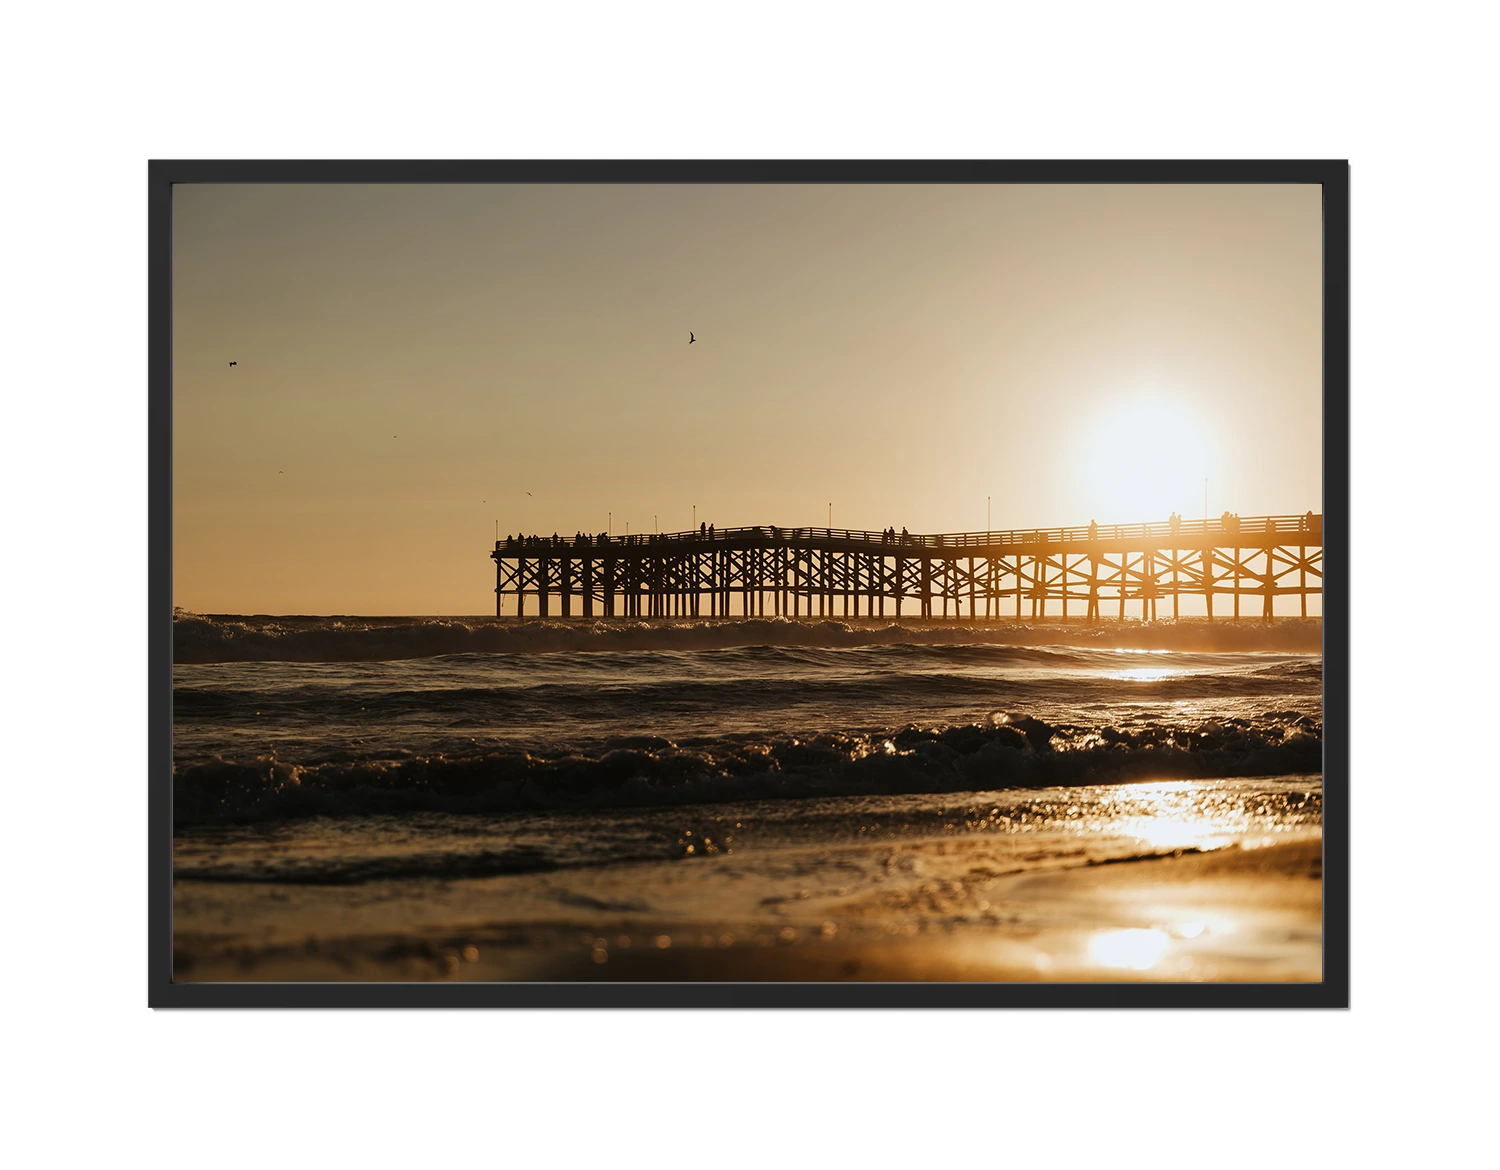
pixel 528 493
pixel 237 363
pixel 691 339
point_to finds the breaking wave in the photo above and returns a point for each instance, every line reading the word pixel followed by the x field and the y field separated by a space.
pixel 1004 751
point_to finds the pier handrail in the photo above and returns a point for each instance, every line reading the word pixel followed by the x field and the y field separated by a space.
pixel 1309 523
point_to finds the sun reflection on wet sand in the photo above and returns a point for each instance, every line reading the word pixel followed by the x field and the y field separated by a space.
pixel 1133 949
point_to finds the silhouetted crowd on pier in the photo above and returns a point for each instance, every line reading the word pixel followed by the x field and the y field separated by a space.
pixel 585 539
pixel 1229 524
pixel 556 541
pixel 706 532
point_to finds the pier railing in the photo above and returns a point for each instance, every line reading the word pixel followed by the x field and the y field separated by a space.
pixel 1191 531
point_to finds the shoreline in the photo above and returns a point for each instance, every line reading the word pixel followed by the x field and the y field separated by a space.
pixel 1247 912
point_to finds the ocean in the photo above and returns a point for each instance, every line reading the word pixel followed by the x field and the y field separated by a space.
pixel 471 798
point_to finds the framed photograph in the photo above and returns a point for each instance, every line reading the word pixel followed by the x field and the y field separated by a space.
pixel 749 584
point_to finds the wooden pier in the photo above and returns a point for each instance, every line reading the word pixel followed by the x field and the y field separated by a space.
pixel 1237 565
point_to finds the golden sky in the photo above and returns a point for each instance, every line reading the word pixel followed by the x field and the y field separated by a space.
pixel 412 361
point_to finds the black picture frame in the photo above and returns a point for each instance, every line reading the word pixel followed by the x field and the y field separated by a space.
pixel 1332 992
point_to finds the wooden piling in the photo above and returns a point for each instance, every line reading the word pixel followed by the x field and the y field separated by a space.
pixel 1175 587
pixel 1302 571
pixel 1206 568
pixel 1236 583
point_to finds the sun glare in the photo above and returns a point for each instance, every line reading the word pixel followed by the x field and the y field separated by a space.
pixel 1145 458
pixel 1134 950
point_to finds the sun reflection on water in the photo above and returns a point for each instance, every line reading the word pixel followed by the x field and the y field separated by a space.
pixel 1144 674
pixel 1167 833
pixel 1177 814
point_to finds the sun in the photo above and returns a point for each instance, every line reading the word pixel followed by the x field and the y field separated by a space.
pixel 1145 457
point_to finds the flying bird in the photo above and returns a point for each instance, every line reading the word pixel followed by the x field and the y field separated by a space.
pixel 691 339
pixel 237 363
pixel 528 493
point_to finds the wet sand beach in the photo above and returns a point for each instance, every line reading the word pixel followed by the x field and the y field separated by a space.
pixel 938 910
